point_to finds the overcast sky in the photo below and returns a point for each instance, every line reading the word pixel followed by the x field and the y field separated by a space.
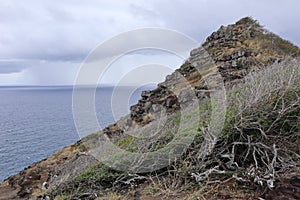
pixel 44 42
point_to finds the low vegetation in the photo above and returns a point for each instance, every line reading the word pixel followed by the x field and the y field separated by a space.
pixel 260 142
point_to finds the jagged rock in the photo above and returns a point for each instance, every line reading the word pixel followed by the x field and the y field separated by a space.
pixel 202 92
pixel 156 108
pixel 148 105
pixel 171 102
pixel 45 186
pixel 146 94
pixel 113 130
pixel 43 197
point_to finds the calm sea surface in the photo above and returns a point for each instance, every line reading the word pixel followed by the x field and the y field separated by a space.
pixel 37 121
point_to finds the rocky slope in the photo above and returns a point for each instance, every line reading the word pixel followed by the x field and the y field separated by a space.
pixel 235 50
pixel 226 56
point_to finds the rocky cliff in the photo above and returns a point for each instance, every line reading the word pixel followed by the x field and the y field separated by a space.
pixel 235 50
pixel 227 56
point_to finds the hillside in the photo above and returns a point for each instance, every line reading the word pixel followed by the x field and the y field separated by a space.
pixel 247 149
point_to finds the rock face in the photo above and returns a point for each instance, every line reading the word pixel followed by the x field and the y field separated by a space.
pixel 233 50
pixel 245 46
pixel 229 49
pixel 227 55
pixel 150 101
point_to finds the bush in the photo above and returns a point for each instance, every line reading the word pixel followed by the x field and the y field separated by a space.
pixel 248 21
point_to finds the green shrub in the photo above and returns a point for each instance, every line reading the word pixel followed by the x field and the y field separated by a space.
pixel 100 175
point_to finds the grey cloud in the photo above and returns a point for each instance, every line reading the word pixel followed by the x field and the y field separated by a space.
pixel 48 30
pixel 70 29
pixel 66 31
pixel 199 18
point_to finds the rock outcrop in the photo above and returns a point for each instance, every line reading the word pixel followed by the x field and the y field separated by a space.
pixel 234 50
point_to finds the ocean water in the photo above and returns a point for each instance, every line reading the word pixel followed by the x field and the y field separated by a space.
pixel 37 121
